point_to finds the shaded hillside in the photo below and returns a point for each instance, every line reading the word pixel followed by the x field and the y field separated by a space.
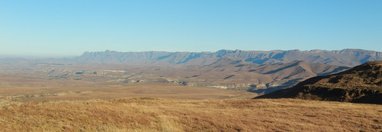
pixel 230 74
pixel 346 57
pixel 361 84
pixel 260 78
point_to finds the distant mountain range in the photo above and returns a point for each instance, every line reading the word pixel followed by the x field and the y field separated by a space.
pixel 257 71
pixel 362 84
pixel 346 57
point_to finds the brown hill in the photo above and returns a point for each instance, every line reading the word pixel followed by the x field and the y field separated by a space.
pixel 224 73
pixel 361 84
pixel 231 74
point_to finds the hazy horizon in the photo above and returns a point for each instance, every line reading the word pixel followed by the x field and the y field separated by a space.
pixel 69 28
pixel 75 55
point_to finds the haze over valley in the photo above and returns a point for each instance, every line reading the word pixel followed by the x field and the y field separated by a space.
pixel 190 65
pixel 256 71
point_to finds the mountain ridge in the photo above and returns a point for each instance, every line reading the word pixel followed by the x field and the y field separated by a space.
pixel 345 57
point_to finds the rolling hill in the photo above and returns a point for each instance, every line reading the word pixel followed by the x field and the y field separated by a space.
pixel 361 84
pixel 257 71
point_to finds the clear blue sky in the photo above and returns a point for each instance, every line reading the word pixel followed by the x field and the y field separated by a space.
pixel 70 27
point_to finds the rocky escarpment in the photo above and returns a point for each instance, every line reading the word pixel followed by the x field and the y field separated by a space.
pixel 346 57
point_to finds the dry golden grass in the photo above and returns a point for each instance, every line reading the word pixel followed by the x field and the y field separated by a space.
pixel 66 105
pixel 150 114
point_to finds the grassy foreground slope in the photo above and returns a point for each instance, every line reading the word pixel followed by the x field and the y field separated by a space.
pixel 151 114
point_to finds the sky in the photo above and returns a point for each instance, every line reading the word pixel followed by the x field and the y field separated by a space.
pixel 71 27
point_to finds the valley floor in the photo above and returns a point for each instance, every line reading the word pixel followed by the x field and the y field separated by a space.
pixel 159 114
